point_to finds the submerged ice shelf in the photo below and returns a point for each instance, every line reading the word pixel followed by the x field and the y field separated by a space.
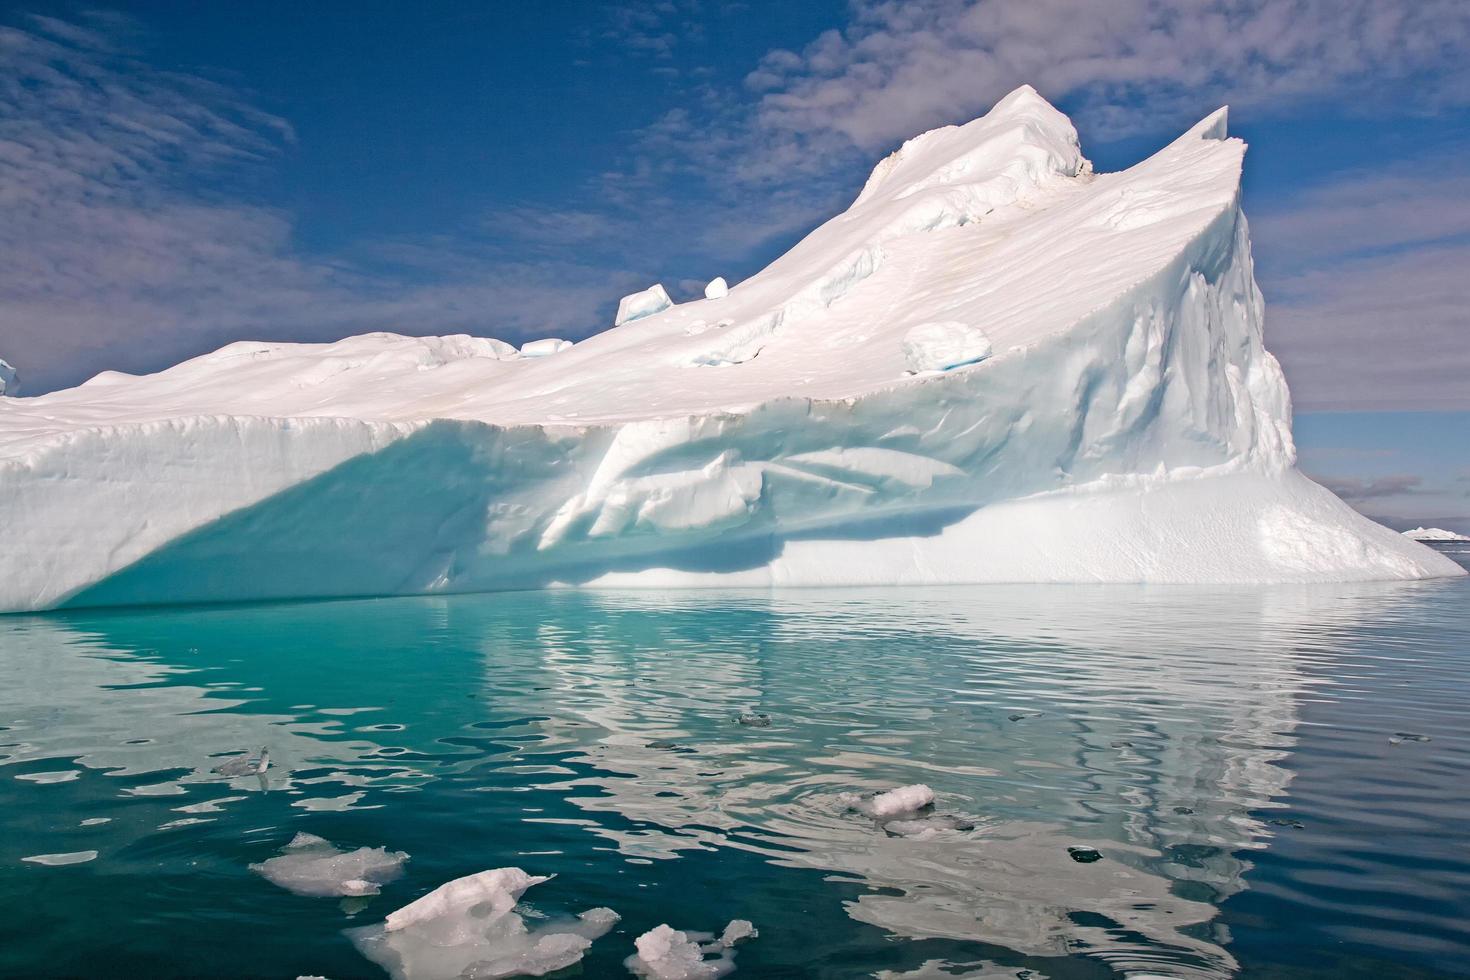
pixel 996 365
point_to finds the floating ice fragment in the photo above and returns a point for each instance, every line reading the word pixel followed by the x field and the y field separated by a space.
pixel 469 928
pixel 898 802
pixel 245 764
pixel 58 860
pixel 1084 855
pixel 1401 737
pixel 636 306
pixel 754 719
pixel 737 931
pixel 718 288
pixel 544 347
pixel 926 827
pixel 944 345
pixel 666 953
pixel 310 865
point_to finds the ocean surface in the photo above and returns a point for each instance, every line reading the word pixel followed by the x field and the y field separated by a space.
pixel 1277 780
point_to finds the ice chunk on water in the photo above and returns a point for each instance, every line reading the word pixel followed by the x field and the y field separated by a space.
pixel 666 953
pixel 904 801
pixel 311 865
pixel 57 860
pixel 737 931
pixel 718 288
pixel 943 345
pixel 469 928
pixel 635 306
pixel 544 347
pixel 927 827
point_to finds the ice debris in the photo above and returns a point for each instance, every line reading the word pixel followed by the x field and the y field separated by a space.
pixel 754 719
pixel 636 306
pixel 245 764
pixel 1400 737
pixel 469 928
pixel 926 827
pixel 666 953
pixel 58 860
pixel 718 288
pixel 545 346
pixel 943 345
pixel 310 865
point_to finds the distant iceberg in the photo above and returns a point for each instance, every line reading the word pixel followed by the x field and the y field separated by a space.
pixel 1095 404
pixel 1434 534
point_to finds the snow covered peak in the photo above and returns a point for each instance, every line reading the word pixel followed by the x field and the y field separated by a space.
pixel 1018 143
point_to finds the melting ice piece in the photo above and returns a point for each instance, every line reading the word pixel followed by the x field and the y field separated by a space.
pixel 544 347
pixel 57 860
pixel 666 953
pixel 906 801
pixel 754 719
pixel 926 827
pixel 469 928
pixel 944 345
pixel 636 306
pixel 718 288
pixel 311 865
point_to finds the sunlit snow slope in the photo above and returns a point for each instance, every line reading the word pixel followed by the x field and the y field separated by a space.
pixel 995 366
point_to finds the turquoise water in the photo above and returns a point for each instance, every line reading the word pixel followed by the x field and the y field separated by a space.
pixel 1228 752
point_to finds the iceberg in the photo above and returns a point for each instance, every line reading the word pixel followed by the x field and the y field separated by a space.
pixel 1433 534
pixel 9 383
pixel 1129 424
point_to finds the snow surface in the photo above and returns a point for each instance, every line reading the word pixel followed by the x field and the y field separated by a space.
pixel 544 346
pixel 1128 426
pixel 1434 534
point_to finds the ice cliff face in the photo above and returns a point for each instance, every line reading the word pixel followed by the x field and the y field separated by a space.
pixel 1126 424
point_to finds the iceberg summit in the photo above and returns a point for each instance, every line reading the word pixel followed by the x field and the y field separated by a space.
pixel 996 365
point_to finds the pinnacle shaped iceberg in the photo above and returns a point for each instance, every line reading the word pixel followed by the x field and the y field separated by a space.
pixel 996 365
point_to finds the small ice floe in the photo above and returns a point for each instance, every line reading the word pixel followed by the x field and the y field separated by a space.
pixel 1084 855
pixel 47 778
pixel 245 764
pixel 906 802
pixel 95 821
pixel 313 866
pixel 58 860
pixel 666 953
pixel 469 928
pixel 1398 738
pixel 718 288
pixel 926 827
pixel 754 719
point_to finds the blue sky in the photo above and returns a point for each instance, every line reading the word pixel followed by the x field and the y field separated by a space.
pixel 174 176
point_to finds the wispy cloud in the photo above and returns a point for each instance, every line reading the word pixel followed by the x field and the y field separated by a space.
pixel 121 249
pixel 908 65
pixel 1355 490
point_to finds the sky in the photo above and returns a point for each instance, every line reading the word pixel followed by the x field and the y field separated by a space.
pixel 175 175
